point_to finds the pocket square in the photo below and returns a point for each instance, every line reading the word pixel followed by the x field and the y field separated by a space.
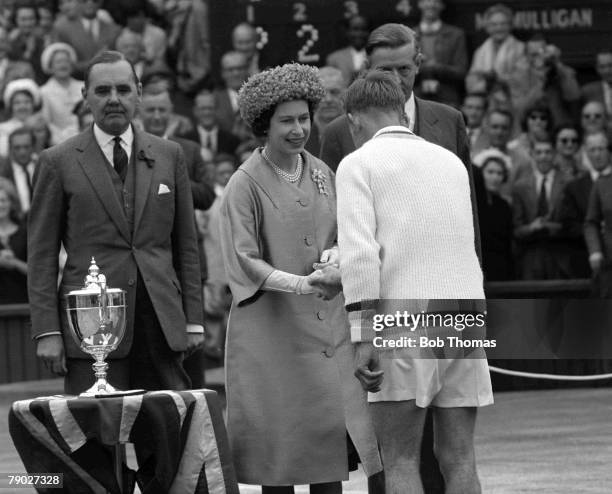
pixel 163 189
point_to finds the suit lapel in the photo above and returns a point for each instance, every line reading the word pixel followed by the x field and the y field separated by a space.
pixel 426 119
pixel 143 163
pixel 92 160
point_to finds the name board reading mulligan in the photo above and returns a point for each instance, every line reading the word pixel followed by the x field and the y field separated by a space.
pixel 546 19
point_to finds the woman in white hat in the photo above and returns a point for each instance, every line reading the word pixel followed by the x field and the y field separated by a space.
pixel 61 92
pixel 21 99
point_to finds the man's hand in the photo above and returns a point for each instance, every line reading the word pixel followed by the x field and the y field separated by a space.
pixel 367 367
pixel 50 350
pixel 326 282
pixel 194 340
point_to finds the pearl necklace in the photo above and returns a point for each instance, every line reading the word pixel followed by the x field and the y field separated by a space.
pixel 290 177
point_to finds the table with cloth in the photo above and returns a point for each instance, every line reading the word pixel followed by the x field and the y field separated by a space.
pixel 181 438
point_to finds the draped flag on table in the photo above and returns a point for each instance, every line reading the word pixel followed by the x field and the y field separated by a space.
pixel 180 440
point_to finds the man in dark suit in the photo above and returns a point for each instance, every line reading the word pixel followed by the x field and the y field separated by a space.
pixel 394 48
pixel 445 59
pixel 575 202
pixel 155 112
pixel 234 71
pixel 124 197
pixel 535 202
pixel 207 132
pixel 20 166
pixel 350 59
pixel 600 90
pixel 85 32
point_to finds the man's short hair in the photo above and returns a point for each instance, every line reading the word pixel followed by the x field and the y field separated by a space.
pixel 498 8
pixel 392 36
pixel 21 131
pixel 375 90
pixel 108 56
pixel 500 111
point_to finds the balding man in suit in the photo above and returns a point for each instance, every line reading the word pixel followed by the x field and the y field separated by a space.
pixel 395 48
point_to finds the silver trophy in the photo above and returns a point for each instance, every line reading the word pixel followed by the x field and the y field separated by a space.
pixel 96 317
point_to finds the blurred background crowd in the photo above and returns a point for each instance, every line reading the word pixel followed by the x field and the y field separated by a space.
pixel 540 140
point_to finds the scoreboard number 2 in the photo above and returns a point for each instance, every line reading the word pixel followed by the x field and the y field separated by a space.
pixel 312 34
pixel 299 12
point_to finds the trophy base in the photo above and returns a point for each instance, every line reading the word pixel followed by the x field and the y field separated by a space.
pixel 105 390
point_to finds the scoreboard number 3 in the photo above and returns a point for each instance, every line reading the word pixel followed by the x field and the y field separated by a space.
pixel 404 7
pixel 351 9
pixel 312 34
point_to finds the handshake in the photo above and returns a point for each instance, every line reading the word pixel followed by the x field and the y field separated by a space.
pixel 325 279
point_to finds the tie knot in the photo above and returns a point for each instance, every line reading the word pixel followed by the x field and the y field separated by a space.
pixel 117 140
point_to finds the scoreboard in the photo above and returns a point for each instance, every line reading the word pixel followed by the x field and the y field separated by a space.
pixel 307 31
pixel 299 31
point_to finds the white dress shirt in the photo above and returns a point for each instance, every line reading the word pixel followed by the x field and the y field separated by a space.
pixel 107 142
pixel 550 178
pixel 359 58
pixel 21 183
pixel 209 138
pixel 410 110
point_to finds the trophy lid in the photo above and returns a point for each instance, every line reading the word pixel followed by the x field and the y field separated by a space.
pixel 95 282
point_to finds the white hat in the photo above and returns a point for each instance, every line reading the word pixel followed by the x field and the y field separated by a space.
pixel 483 156
pixel 17 85
pixel 49 51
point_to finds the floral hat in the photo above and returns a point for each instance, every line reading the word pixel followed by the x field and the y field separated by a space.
pixel 292 81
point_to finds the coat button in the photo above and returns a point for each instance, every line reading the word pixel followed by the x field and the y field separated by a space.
pixel 329 352
pixel 308 240
pixel 302 202
pixel 321 315
pixel 131 282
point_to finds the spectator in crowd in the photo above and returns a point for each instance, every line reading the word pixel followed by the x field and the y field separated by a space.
pixel 154 40
pixel 207 131
pixel 535 203
pixel 61 92
pixel 474 109
pixel 495 219
pixel 25 42
pixel 13 247
pixel 11 69
pixel 575 202
pixel 351 59
pixel 84 115
pixel 85 31
pixel 601 90
pixel 497 129
pixel 46 19
pixel 244 40
pixel 541 76
pixel 567 145
pixel 234 72
pixel 21 98
pixel 479 82
pixel 331 106
pixel 501 51
pixel 37 123
pixel 20 166
pixel 217 295
pixel 156 115
pixel 593 118
pixel 302 358
pixel 598 220
pixel 189 44
pixel 445 58
pixel 130 44
pixel 536 124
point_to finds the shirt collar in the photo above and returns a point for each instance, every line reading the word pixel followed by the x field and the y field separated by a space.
pixel 103 139
pixel 430 27
pixel 410 110
pixel 391 129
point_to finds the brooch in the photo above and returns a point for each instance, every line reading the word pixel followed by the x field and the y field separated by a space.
pixel 319 178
